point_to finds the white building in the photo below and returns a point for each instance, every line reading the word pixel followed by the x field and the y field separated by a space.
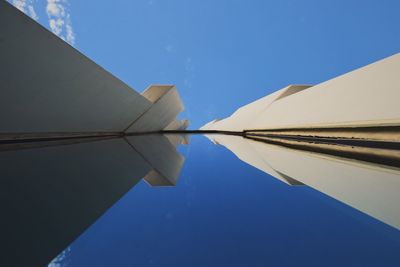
pixel 350 106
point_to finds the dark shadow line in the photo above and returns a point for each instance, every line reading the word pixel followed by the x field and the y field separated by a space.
pixel 343 151
pixel 335 141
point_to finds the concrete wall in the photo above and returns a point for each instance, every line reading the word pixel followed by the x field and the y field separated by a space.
pixel 47 86
pixel 365 97
pixel 166 105
pixel 244 116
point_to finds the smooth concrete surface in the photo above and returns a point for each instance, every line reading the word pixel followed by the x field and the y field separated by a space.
pixel 370 188
pixel 166 105
pixel 156 91
pixel 48 87
pixel 242 117
pixel 52 194
pixel 365 97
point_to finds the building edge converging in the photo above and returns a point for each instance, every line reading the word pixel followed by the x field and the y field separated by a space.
pixel 68 95
pixel 362 104
pixel 355 115
pixel 74 139
pixel 340 137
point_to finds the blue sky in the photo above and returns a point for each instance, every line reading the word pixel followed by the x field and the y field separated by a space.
pixel 222 54
pixel 224 212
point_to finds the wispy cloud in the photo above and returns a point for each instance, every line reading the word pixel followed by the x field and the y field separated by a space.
pixel 60 20
pixel 27 7
pixel 62 259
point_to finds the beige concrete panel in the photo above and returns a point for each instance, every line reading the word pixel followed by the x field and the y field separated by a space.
pixel 209 125
pixel 364 97
pixel 292 89
pixel 240 118
pixel 155 91
pixel 48 86
pixel 244 116
pixel 368 96
pixel 163 111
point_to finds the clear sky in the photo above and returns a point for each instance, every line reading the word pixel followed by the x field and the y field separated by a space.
pixel 223 54
pixel 224 212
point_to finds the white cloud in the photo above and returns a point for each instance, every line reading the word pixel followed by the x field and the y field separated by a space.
pixel 70 31
pixel 32 12
pixel 20 4
pixel 26 6
pixel 55 8
pixel 56 25
pixel 57 13
pixel 62 259
pixel 60 20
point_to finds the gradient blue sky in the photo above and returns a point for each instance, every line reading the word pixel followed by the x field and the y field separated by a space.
pixel 224 212
pixel 222 54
